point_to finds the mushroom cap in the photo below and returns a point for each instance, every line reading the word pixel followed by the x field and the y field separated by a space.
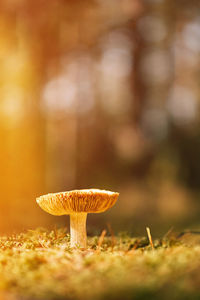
pixel 76 201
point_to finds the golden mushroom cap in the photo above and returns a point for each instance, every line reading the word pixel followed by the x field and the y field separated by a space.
pixel 88 200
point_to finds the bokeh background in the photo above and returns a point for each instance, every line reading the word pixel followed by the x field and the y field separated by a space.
pixel 104 94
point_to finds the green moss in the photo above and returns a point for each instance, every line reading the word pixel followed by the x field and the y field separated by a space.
pixel 41 265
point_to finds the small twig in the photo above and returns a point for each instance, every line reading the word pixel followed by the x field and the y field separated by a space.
pixel 101 238
pixel 150 238
pixel 135 245
pixel 168 232
pixel 42 244
pixel 113 239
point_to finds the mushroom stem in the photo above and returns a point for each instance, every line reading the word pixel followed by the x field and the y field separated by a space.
pixel 78 230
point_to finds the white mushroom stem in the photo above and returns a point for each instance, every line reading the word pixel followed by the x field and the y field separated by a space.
pixel 78 230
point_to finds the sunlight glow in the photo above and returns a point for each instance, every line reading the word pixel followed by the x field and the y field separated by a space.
pixel 182 105
pixel 71 91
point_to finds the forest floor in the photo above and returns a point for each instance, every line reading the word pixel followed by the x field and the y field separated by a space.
pixel 40 265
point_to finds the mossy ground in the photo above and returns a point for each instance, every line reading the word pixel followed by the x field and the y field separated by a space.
pixel 40 265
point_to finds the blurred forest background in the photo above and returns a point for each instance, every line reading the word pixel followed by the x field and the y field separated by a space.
pixel 106 94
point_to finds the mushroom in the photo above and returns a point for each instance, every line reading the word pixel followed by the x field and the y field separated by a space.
pixel 77 204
